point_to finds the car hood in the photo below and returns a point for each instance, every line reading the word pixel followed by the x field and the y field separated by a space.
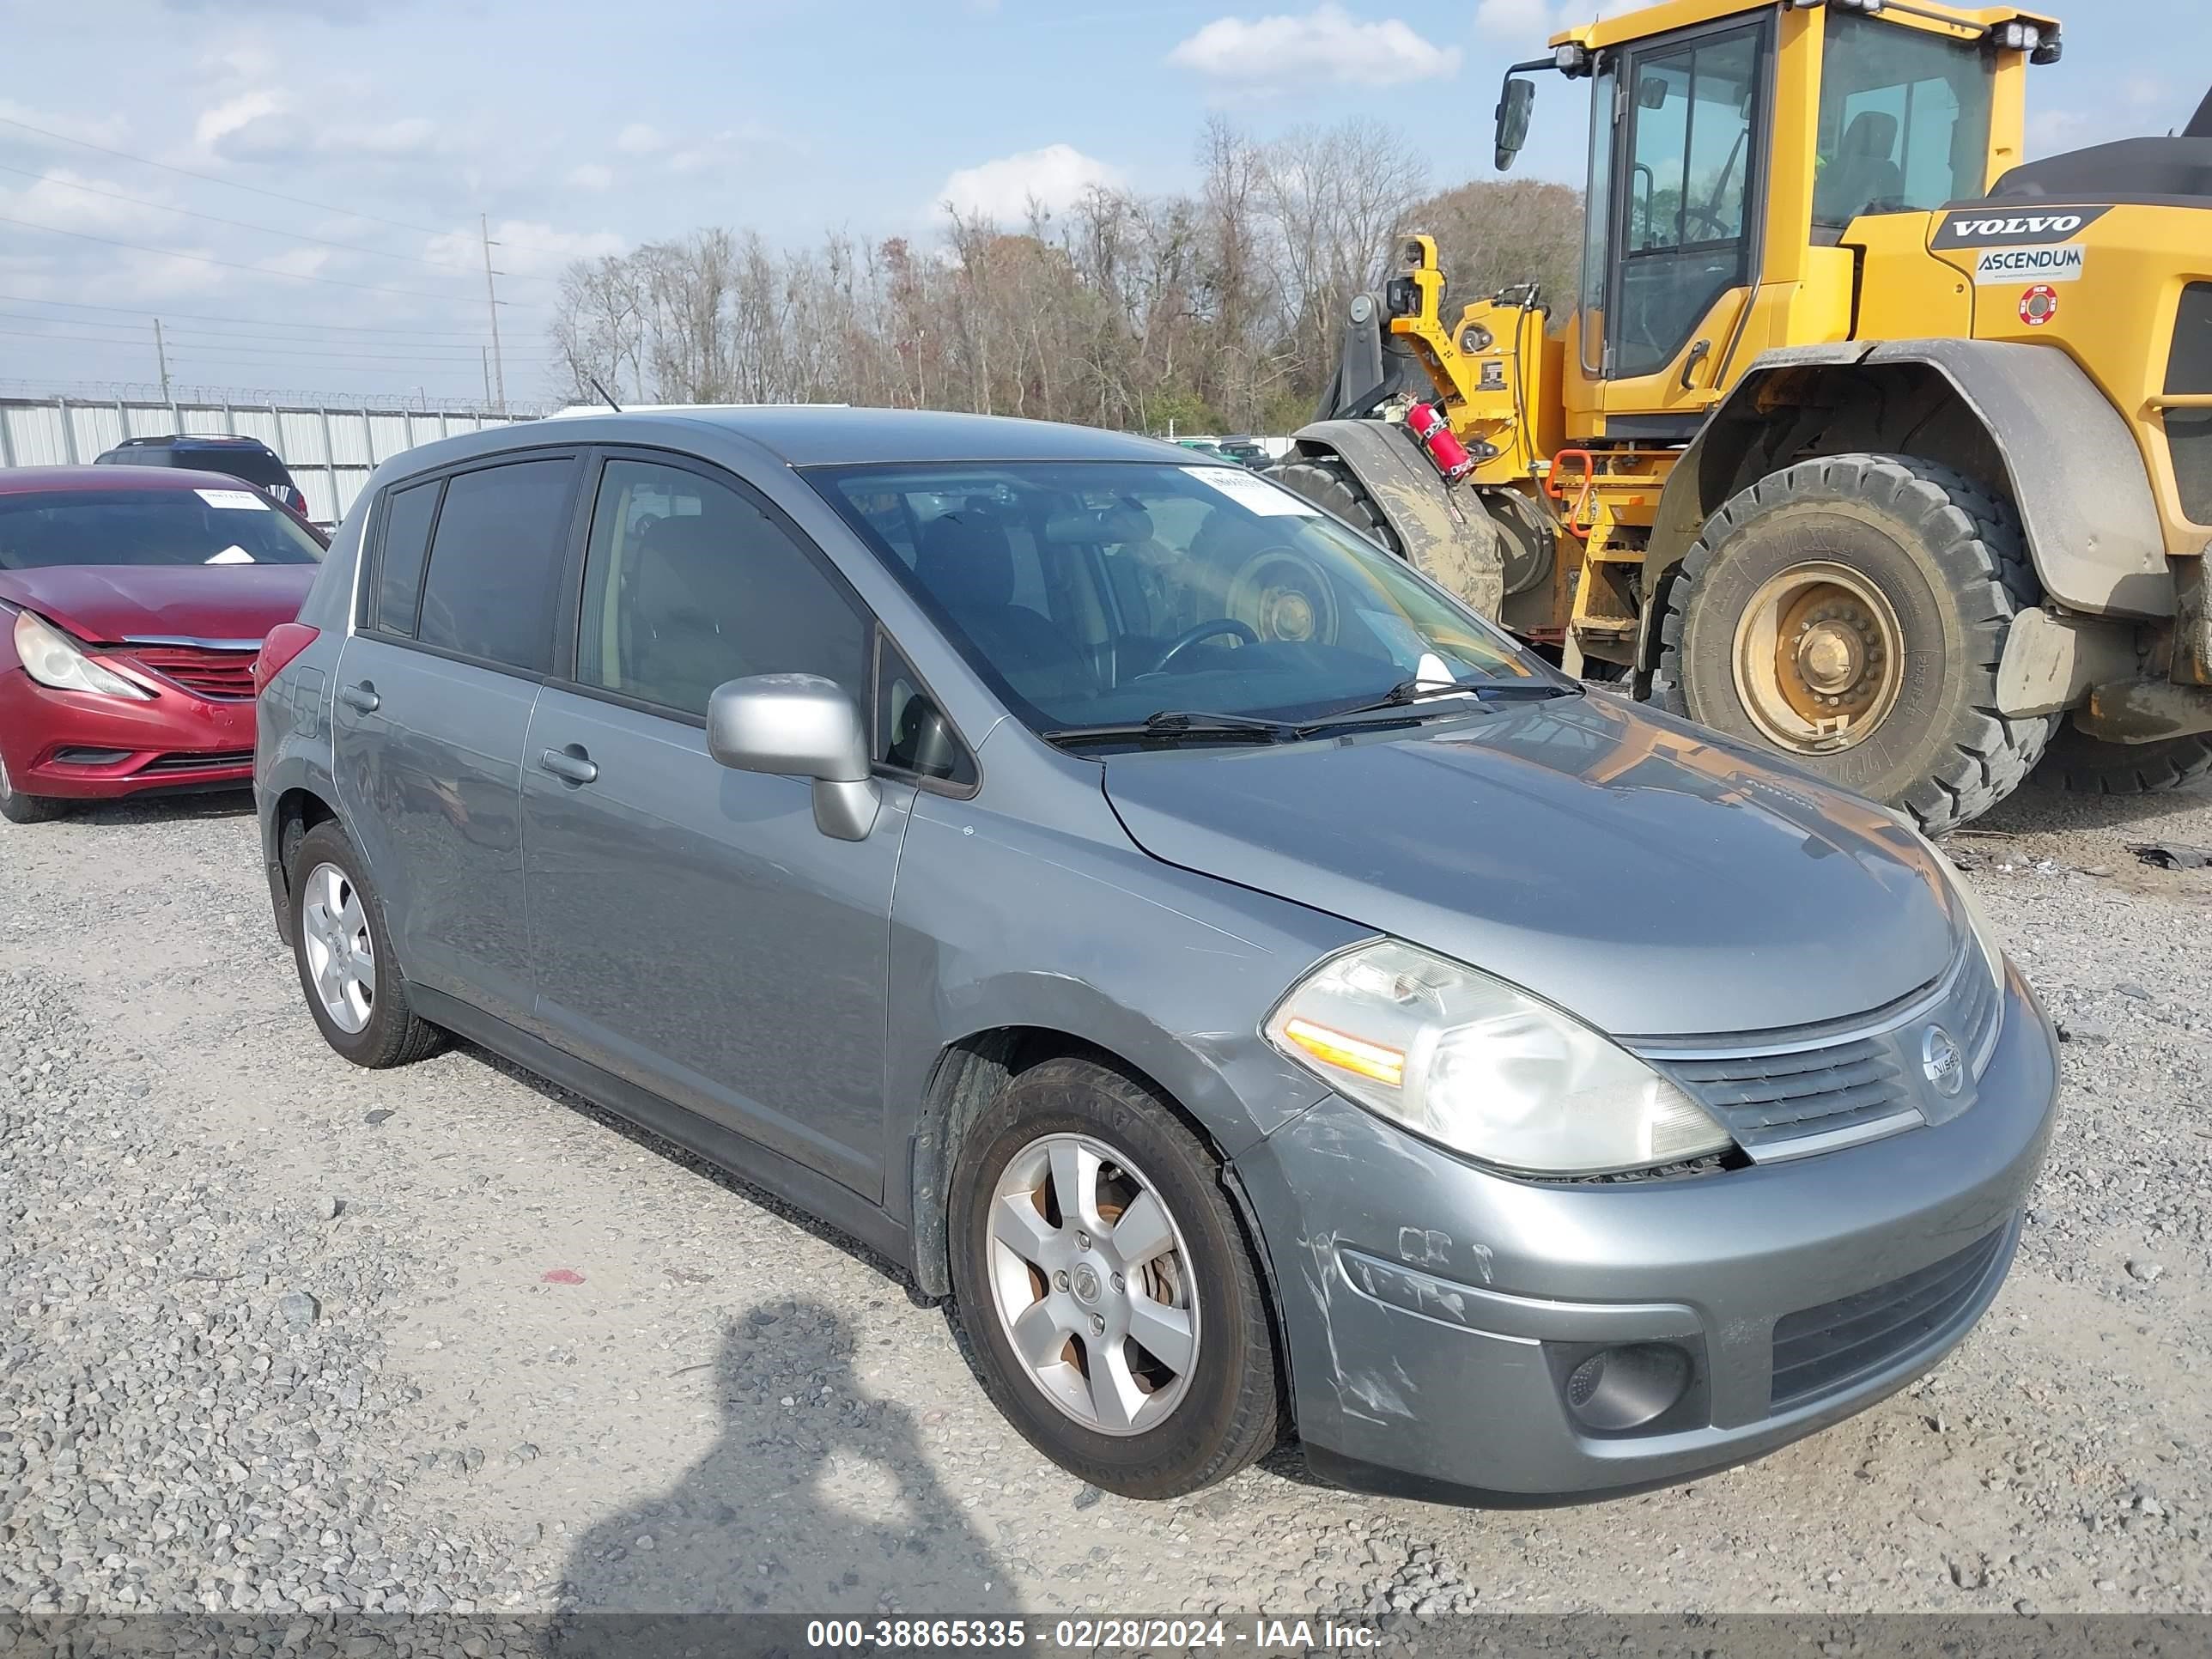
pixel 1628 867
pixel 107 604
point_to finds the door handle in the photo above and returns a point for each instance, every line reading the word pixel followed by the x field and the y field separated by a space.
pixel 1698 353
pixel 568 764
pixel 362 696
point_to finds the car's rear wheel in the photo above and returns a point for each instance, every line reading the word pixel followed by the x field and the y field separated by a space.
pixel 1104 1289
pixel 347 971
pixel 19 808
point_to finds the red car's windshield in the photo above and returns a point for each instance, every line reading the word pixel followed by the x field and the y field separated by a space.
pixel 148 527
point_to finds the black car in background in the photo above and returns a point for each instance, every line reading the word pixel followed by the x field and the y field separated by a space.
pixel 1246 452
pixel 247 460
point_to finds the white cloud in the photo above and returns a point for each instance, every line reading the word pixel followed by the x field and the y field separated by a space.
pixel 234 115
pixel 1326 43
pixel 109 129
pixel 1531 18
pixel 592 176
pixel 523 247
pixel 639 139
pixel 53 200
pixel 1535 21
pixel 410 135
pixel 1055 177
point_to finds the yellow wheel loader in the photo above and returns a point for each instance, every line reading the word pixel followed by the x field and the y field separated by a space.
pixel 1863 439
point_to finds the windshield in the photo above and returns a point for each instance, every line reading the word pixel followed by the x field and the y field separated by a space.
pixel 150 527
pixel 1904 119
pixel 1103 593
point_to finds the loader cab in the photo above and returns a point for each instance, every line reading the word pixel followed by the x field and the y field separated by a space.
pixel 1731 149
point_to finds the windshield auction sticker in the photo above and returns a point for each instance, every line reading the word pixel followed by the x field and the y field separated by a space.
pixel 1253 492
pixel 2008 265
pixel 234 501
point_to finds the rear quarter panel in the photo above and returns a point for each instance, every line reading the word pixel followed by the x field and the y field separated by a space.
pixel 292 718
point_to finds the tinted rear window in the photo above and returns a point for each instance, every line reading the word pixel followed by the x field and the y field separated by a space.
pixel 406 543
pixel 496 561
pixel 148 527
pixel 255 466
pixel 251 465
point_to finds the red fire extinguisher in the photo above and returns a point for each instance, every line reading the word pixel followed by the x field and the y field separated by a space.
pixel 1428 424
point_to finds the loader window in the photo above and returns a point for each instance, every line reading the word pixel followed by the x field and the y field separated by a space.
pixel 1905 120
pixel 1689 190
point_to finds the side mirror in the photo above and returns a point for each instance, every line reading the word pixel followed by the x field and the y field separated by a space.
pixel 1514 103
pixel 799 725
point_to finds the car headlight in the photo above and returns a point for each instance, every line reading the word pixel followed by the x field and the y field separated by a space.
pixel 1466 1059
pixel 53 657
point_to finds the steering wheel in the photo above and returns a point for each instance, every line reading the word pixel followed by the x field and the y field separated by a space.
pixel 1205 630
pixel 1710 220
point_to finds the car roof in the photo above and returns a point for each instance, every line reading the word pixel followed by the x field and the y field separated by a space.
pixel 817 435
pixel 194 440
pixel 33 480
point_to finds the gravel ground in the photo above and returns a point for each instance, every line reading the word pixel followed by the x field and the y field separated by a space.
pixel 283 1336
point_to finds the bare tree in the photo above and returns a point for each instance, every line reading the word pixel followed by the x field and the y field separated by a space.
pixel 1216 310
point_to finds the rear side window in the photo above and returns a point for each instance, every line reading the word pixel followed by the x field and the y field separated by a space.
pixel 407 516
pixel 494 583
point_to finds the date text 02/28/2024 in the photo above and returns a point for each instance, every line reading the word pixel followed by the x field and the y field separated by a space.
pixel 1092 1635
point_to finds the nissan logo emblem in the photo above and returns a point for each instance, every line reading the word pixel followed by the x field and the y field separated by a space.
pixel 1942 1062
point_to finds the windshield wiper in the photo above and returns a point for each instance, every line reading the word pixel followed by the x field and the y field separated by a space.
pixel 1178 726
pixel 1407 695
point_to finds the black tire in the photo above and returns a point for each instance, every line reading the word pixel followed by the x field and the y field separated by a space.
pixel 19 808
pixel 1950 560
pixel 2081 764
pixel 1472 566
pixel 1328 483
pixel 1231 1409
pixel 394 1033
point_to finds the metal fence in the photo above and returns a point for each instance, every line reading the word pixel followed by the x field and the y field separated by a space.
pixel 331 450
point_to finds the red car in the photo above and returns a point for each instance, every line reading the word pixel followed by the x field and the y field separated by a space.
pixel 133 601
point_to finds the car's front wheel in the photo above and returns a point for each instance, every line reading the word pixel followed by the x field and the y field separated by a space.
pixel 1104 1288
pixel 351 982
pixel 17 807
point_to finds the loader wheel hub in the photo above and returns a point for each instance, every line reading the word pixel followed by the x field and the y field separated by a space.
pixel 1830 657
pixel 1817 654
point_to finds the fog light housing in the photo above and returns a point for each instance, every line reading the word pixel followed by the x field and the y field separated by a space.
pixel 1624 1388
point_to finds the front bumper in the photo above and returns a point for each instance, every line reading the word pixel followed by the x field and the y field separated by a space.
pixel 1433 1311
pixel 175 741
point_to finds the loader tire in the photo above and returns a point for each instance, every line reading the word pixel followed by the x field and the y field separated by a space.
pixel 2081 764
pixel 1899 578
pixel 1471 565
pixel 1328 483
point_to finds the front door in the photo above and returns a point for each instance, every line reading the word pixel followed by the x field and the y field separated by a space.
pixel 1689 156
pixel 434 694
pixel 695 932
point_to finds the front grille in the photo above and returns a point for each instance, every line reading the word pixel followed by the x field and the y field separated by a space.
pixel 221 676
pixel 1820 1350
pixel 1767 1098
pixel 203 763
pixel 1788 1093
pixel 2189 373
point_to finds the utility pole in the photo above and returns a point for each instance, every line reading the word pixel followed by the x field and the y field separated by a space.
pixel 161 357
pixel 491 300
pixel 485 354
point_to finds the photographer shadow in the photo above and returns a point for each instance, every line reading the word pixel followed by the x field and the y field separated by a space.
pixel 817 1499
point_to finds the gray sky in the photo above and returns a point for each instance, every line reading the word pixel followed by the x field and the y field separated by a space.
pixel 351 144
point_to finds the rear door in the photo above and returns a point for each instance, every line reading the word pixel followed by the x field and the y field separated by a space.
pixel 694 932
pixel 432 706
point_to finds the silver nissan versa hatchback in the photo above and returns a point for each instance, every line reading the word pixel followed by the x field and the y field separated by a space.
pixel 1258 995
